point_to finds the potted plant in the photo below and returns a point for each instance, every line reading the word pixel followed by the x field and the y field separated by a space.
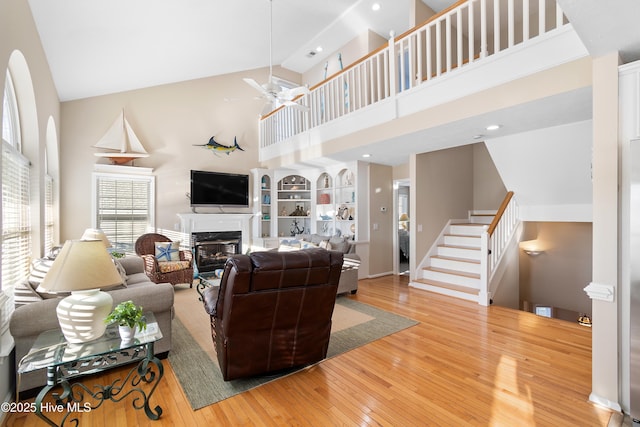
pixel 128 316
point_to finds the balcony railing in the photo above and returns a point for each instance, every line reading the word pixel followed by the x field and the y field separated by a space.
pixel 465 33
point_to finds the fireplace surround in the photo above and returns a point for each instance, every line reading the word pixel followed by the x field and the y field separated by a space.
pixel 195 223
pixel 212 248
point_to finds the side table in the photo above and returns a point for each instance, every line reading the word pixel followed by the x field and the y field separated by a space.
pixel 66 361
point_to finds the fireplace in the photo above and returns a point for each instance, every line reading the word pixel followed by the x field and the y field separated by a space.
pixel 212 248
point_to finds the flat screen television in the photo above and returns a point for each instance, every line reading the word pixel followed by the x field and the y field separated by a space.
pixel 219 189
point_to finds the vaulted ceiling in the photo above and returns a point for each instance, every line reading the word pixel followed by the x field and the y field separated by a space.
pixel 96 48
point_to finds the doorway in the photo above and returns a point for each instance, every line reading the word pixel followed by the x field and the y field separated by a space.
pixel 403 225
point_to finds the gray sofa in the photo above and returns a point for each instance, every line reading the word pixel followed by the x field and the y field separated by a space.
pixel 349 276
pixel 30 319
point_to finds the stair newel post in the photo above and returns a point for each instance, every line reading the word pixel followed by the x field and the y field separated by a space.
pixel 484 296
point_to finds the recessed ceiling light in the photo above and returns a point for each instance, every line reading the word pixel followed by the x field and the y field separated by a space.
pixel 375 7
pixel 493 127
pixel 319 49
pixel 366 155
pixel 479 136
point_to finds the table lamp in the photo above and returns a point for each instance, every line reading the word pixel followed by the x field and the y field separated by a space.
pixel 82 267
pixel 96 234
pixel 404 219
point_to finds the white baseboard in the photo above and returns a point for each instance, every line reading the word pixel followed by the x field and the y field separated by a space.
pixel 374 276
pixel 598 400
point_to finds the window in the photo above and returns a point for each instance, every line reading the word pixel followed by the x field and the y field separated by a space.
pixel 49 221
pixel 10 117
pixel 16 225
pixel 124 207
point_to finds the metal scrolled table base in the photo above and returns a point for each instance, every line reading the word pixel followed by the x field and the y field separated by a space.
pixel 149 370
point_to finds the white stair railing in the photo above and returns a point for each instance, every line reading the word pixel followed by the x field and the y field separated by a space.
pixel 494 241
pixel 467 32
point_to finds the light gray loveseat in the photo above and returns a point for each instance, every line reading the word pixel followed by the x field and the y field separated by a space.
pixel 29 320
pixel 349 276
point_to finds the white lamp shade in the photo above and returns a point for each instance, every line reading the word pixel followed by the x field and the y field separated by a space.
pixel 96 234
pixel 82 267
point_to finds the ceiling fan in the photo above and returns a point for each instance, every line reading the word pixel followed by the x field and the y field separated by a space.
pixel 274 93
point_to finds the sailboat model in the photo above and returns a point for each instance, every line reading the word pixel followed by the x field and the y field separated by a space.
pixel 121 142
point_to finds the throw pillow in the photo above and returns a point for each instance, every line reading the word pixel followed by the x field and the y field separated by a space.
pixel 289 245
pixel 307 245
pixel 171 266
pixel 168 251
pixel 121 271
pixel 339 245
pixel 39 268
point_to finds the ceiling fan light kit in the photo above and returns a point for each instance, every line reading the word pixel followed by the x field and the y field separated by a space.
pixel 272 92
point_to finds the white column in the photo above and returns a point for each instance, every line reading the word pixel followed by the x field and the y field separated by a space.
pixel 605 360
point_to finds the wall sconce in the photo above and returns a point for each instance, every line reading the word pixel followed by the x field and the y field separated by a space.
pixel 531 247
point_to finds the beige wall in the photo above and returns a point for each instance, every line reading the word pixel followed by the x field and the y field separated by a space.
pixel 557 276
pixel 442 190
pixel 488 188
pixel 401 172
pixel 170 121
pixel 420 13
pixel 381 223
pixel 351 52
pixel 40 109
pixel 37 100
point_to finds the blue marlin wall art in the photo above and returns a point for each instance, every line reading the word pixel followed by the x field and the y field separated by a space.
pixel 216 147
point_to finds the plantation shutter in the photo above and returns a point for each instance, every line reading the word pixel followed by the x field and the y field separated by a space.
pixel 48 214
pixel 124 208
pixel 16 225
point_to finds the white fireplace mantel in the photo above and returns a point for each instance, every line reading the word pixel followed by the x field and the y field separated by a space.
pixel 196 223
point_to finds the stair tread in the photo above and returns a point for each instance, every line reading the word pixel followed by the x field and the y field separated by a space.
pixel 453 272
pixel 459 288
pixel 470 248
pixel 462 235
pixel 450 258
pixel 471 224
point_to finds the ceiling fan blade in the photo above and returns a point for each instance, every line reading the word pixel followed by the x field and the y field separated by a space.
pixel 254 84
pixel 300 90
pixel 296 106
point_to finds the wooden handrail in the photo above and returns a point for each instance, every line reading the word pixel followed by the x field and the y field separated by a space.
pixel 503 207
pixel 432 18
pixel 373 52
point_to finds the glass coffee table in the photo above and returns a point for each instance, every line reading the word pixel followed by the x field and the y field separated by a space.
pixel 65 362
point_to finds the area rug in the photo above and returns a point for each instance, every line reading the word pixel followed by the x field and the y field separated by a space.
pixel 194 363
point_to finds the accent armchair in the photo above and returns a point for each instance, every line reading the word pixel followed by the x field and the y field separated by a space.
pixel 163 260
pixel 272 311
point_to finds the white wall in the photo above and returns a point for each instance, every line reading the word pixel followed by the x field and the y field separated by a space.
pixel 19 39
pixel 549 170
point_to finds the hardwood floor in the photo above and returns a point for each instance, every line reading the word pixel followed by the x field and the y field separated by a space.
pixel 462 365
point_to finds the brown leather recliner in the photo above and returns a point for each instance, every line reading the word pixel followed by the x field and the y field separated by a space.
pixel 273 310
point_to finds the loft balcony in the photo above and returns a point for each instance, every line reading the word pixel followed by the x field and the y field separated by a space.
pixel 474 46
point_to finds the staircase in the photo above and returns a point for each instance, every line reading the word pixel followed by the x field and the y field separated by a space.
pixel 467 253
pixel 453 266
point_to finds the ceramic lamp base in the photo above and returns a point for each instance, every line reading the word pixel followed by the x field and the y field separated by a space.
pixel 81 315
